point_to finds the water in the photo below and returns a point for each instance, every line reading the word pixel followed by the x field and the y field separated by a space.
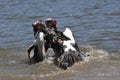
pixel 95 24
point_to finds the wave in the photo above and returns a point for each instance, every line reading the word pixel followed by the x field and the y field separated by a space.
pixel 14 63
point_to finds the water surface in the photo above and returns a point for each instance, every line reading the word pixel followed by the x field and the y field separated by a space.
pixel 95 24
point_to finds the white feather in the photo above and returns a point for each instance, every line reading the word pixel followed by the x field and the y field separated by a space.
pixel 68 46
pixel 68 33
pixel 68 43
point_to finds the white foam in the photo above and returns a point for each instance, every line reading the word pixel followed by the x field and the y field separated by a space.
pixel 93 53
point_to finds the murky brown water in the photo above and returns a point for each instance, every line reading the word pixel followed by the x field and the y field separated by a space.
pixel 95 24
